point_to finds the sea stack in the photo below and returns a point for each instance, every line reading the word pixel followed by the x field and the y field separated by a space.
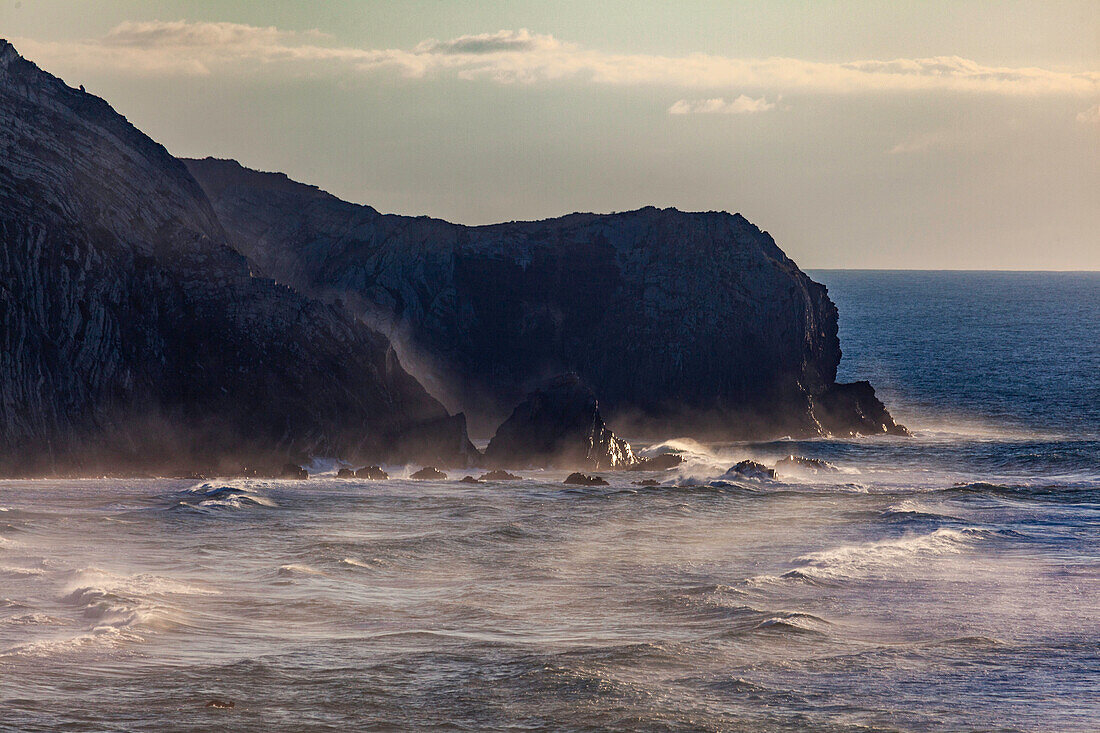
pixel 558 426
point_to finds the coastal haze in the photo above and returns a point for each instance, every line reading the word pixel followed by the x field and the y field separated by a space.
pixel 280 451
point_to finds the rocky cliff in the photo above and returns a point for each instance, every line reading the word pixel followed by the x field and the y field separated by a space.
pixel 691 323
pixel 133 338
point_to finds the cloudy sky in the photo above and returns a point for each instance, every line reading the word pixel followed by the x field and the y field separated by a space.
pixel 885 135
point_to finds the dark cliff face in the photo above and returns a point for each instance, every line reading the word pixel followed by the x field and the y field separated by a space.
pixel 686 322
pixel 132 337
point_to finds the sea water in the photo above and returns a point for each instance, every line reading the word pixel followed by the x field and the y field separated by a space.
pixel 949 581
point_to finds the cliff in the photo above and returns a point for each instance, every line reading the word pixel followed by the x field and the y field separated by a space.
pixel 133 338
pixel 692 323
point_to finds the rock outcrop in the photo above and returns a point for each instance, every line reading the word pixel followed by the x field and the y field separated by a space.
pixel 691 323
pixel 750 470
pixel 558 426
pixel 580 479
pixel 132 335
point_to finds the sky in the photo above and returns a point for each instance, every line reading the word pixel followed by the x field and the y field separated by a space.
pixel 924 134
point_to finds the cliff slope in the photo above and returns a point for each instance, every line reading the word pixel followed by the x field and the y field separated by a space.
pixel 132 337
pixel 684 322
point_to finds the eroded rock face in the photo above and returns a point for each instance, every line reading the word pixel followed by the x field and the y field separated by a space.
pixel 853 409
pixel 558 426
pixel 686 323
pixel 131 335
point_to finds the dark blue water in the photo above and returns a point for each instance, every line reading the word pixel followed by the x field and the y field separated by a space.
pixel 1008 350
pixel 944 582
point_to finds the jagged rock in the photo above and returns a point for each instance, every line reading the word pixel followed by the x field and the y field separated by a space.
pixel 646 482
pixel 558 426
pixel 853 409
pixel 443 440
pixel 580 479
pixel 429 473
pixel 694 323
pixel 470 480
pixel 806 465
pixel 500 476
pixel 373 473
pixel 133 337
pixel 345 473
pixel 662 462
pixel 750 470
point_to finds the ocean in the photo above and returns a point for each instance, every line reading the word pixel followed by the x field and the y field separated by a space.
pixel 944 582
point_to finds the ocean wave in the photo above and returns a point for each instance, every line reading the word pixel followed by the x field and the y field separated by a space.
pixel 211 497
pixel 795 622
pixel 872 558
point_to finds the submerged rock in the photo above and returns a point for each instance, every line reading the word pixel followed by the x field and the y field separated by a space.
pixel 662 462
pixel 558 426
pixel 751 470
pixel 373 473
pixel 808 465
pixel 429 473
pixel 470 480
pixel 580 479
pixel 499 475
pixel 646 482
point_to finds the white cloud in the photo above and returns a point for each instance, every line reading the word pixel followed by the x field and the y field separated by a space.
pixel 1090 115
pixel 743 104
pixel 520 56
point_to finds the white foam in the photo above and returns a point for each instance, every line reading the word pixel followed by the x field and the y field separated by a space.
pixel 885 556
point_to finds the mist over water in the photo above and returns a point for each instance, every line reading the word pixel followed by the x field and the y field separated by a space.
pixel 946 582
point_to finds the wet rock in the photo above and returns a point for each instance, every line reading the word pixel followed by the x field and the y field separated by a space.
pixel 374 473
pixel 558 426
pixel 293 471
pixel 345 473
pixel 751 470
pixel 662 462
pixel 580 479
pixel 498 475
pixel 221 704
pixel 429 473
pixel 805 465
pixel 646 482
pixel 470 480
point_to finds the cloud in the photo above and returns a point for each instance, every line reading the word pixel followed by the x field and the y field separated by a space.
pixel 523 57
pixel 1090 116
pixel 522 40
pixel 920 143
pixel 744 104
